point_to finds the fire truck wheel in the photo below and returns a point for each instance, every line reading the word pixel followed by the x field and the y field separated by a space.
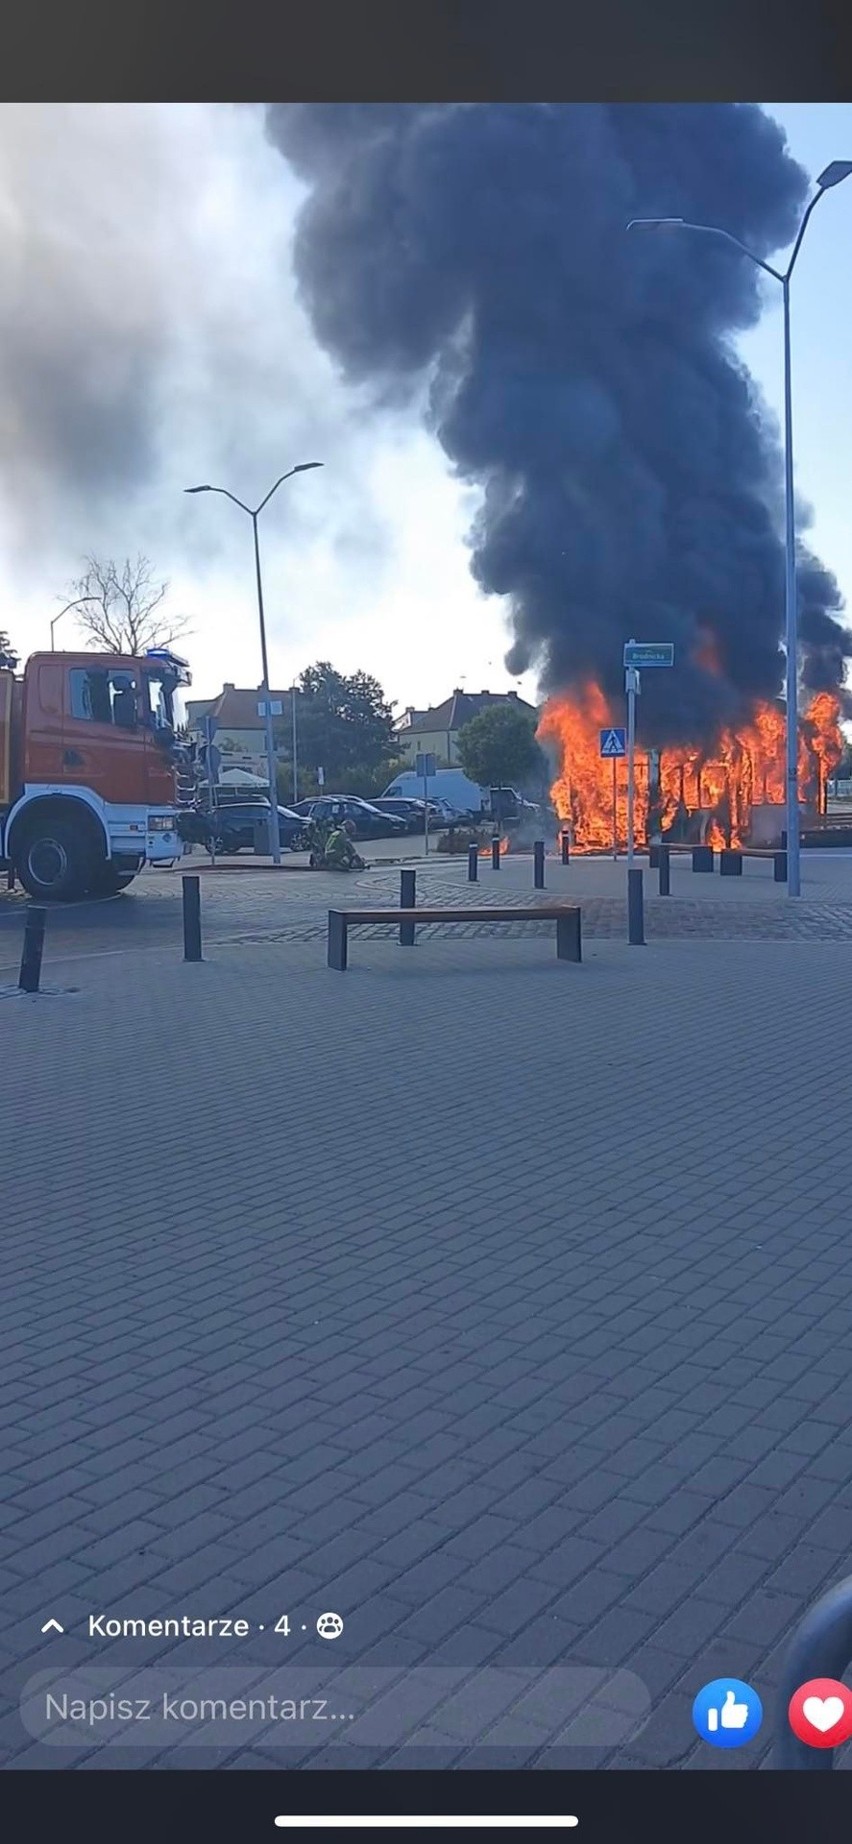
pixel 107 881
pixel 54 862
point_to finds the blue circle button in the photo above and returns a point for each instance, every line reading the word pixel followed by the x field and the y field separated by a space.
pixel 727 1713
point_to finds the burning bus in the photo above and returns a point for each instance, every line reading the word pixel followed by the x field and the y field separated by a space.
pixel 730 792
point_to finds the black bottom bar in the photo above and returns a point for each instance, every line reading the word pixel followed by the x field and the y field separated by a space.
pixel 222 1805
pixel 702 858
pixel 780 867
pixel 665 867
pixel 472 863
pixel 538 864
pixel 730 864
pixel 566 848
pixel 495 852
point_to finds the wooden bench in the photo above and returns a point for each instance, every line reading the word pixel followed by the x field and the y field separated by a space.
pixel 566 917
pixel 731 862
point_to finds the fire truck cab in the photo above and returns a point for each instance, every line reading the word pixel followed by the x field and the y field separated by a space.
pixel 90 761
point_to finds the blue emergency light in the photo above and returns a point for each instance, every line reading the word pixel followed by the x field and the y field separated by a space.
pixel 179 667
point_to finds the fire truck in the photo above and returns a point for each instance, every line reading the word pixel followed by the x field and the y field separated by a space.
pixel 92 769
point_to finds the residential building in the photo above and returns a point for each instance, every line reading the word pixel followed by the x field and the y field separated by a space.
pixel 435 732
pixel 240 732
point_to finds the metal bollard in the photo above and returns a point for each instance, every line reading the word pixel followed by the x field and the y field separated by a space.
pixel 566 847
pixel 730 864
pixel 10 877
pixel 30 974
pixel 191 918
pixel 538 864
pixel 407 899
pixel 665 869
pixel 635 909
pixel 702 858
pixel 780 867
pixel 472 863
pixel 495 852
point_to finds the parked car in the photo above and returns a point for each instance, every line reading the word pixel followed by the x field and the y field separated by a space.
pixel 448 784
pixel 412 812
pixel 445 814
pixel 368 821
pixel 464 798
pixel 232 826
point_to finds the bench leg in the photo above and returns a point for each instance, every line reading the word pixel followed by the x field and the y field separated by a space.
pixel 337 944
pixel 568 939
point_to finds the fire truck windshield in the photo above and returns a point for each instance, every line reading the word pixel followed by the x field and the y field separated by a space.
pixel 163 701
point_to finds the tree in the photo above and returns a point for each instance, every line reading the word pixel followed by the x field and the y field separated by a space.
pixel 125 614
pixel 498 747
pixel 345 724
pixel 843 771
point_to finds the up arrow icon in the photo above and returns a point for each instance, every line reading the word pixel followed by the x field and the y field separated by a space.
pixel 52 1626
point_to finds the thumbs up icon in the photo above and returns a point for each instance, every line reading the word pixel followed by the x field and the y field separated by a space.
pixel 727 1713
pixel 734 1714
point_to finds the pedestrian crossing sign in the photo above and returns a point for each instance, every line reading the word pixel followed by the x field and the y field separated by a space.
pixel 613 743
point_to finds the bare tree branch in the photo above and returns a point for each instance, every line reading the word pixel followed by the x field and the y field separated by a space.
pixel 125 614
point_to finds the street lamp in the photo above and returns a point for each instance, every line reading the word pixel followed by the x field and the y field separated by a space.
pixel 63 611
pixel 293 695
pixel 254 513
pixel 832 176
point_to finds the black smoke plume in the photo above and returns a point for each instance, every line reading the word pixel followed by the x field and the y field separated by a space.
pixel 476 256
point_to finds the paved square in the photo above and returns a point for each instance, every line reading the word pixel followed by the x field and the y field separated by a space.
pixel 502 1306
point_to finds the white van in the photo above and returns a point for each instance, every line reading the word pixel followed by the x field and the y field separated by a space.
pixel 446 784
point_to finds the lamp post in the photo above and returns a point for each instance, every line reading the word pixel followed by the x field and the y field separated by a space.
pixel 837 171
pixel 293 695
pixel 63 611
pixel 254 514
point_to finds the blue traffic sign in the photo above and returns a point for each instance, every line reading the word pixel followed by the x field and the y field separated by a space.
pixel 613 743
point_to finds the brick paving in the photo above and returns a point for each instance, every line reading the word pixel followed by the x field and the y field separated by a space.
pixel 292 905
pixel 531 1350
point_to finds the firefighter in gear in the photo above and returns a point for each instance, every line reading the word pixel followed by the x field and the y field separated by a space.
pixel 340 853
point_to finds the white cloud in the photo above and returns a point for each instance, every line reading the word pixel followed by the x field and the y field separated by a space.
pixel 152 340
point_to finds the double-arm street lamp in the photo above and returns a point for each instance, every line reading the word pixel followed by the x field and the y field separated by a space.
pixel 837 171
pixel 63 611
pixel 254 514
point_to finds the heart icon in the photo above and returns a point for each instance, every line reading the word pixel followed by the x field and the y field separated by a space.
pixel 823 1713
pixel 820 1713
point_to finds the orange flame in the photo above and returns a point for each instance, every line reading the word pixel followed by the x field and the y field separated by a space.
pixel 485 850
pixel 709 793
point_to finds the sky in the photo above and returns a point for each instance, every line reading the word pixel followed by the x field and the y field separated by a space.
pixel 153 243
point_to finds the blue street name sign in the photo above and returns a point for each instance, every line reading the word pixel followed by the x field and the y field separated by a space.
pixel 648 653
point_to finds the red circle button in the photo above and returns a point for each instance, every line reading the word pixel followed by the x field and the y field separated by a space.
pixel 820 1713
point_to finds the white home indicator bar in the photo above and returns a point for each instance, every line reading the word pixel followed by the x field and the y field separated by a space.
pixel 298 1822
